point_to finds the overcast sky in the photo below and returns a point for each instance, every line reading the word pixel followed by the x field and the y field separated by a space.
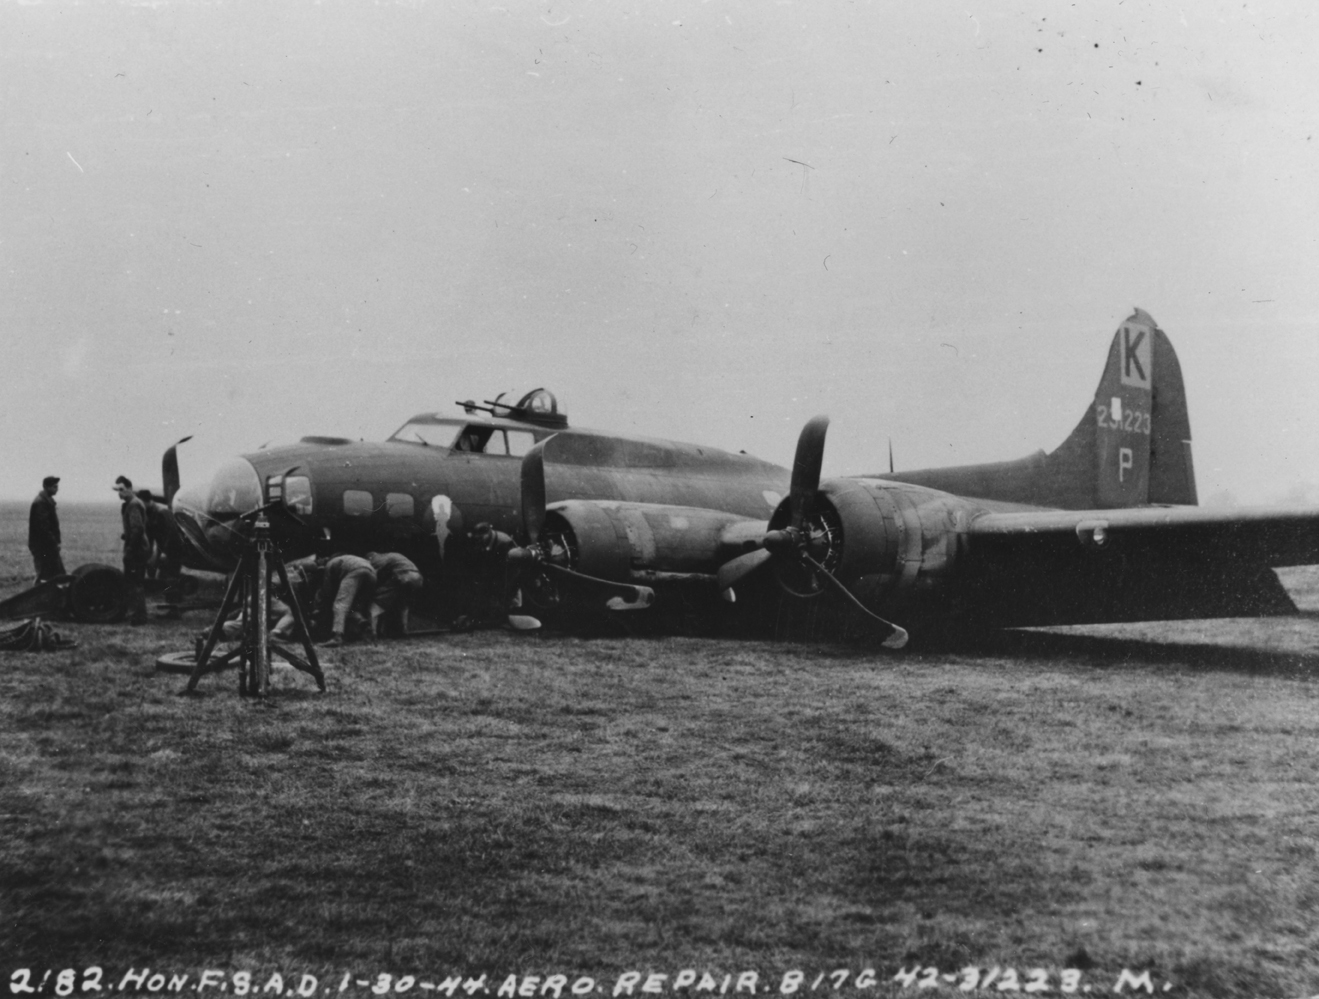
pixel 702 221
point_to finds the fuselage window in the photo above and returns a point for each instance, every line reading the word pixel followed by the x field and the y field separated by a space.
pixel 357 503
pixel 399 504
pixel 297 494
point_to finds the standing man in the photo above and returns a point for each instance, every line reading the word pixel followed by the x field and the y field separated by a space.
pixel 166 561
pixel 488 550
pixel 43 531
pixel 137 549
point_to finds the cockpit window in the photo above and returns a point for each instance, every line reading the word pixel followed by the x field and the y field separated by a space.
pixel 431 434
pixel 520 442
pixel 475 439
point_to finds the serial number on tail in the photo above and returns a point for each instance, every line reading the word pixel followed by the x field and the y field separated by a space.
pixel 1114 416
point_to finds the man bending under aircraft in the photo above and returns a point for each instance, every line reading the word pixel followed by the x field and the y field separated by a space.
pixel 397 584
pixel 346 593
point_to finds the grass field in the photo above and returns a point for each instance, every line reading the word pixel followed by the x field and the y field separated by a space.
pixel 1115 801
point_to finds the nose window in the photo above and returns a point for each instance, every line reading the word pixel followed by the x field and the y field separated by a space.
pixel 297 494
pixel 235 489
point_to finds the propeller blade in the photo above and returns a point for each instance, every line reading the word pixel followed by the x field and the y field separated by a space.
pixel 737 569
pixel 806 468
pixel 896 636
pixel 533 492
pixel 169 470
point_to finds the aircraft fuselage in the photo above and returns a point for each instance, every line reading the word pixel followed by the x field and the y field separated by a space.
pixel 417 497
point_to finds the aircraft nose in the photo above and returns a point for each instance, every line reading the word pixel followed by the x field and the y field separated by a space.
pixel 208 512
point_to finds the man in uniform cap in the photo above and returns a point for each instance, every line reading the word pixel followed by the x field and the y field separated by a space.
pixel 137 549
pixel 43 531
pixel 488 549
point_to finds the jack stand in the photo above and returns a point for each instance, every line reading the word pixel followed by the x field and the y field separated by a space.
pixel 249 587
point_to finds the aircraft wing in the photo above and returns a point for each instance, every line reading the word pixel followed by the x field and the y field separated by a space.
pixel 1144 563
pixel 1274 536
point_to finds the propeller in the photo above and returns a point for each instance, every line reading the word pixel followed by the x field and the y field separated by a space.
pixel 169 470
pixel 806 466
pixel 793 547
pixel 533 492
pixel 542 556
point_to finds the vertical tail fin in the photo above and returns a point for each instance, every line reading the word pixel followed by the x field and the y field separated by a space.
pixel 1133 447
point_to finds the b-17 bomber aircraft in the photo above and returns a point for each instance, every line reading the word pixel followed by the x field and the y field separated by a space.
pixel 1105 528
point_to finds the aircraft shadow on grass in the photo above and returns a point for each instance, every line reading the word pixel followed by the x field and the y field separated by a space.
pixel 1114 651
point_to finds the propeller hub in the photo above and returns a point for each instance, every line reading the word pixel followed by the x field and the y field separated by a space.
pixel 523 556
pixel 782 542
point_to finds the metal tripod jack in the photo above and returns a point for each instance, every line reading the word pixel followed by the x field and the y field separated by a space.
pixel 249 589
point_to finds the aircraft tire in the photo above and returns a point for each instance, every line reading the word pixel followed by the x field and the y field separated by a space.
pixel 97 594
pixel 177 662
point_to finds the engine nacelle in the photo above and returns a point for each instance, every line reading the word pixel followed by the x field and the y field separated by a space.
pixel 633 542
pixel 890 543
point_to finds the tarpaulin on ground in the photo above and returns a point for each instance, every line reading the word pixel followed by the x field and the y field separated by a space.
pixel 34 635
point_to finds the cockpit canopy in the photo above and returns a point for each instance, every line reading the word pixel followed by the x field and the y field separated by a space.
pixel 507 430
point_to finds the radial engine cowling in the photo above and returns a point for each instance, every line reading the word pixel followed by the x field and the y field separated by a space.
pixel 632 542
pixel 890 543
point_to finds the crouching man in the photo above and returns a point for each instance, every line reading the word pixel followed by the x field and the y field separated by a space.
pixel 345 596
pixel 305 579
pixel 397 584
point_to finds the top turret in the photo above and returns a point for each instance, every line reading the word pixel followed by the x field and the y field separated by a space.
pixel 538 407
